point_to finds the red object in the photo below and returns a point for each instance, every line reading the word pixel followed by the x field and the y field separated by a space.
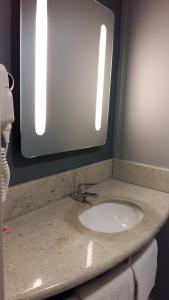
pixel 4 230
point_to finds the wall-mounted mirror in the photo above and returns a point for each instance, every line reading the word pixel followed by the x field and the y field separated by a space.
pixel 65 73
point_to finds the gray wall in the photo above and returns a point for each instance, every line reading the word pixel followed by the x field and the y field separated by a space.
pixel 5 49
pixel 28 169
pixel 145 122
pixel 145 104
pixel 5 33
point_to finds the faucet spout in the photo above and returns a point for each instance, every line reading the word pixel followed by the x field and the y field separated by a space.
pixel 82 192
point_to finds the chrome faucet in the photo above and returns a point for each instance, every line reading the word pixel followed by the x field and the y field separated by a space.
pixel 82 192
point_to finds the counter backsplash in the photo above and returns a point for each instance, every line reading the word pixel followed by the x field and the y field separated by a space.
pixel 142 174
pixel 26 197
pixel 29 196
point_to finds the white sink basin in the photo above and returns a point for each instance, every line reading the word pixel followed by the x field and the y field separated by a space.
pixel 111 217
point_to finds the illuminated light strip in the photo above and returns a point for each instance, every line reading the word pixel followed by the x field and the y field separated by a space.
pixel 41 66
pixel 100 80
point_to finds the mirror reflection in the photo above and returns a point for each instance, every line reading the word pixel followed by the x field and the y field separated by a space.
pixel 66 58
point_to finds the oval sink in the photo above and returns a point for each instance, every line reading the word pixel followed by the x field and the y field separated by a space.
pixel 111 217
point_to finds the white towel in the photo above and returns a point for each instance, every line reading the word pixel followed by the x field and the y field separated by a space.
pixel 144 266
pixel 117 284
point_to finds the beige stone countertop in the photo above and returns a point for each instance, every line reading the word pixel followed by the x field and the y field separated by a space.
pixel 47 251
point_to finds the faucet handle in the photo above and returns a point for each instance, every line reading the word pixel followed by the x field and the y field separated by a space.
pixel 87 185
pixel 82 192
pixel 84 186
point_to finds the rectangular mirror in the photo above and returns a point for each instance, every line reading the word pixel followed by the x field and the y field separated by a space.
pixel 65 74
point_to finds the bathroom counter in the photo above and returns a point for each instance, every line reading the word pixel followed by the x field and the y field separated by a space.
pixel 47 251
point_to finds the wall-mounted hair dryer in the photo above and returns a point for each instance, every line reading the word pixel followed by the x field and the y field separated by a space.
pixel 6 118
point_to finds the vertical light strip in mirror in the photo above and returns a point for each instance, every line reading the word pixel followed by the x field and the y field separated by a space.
pixel 100 79
pixel 40 66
